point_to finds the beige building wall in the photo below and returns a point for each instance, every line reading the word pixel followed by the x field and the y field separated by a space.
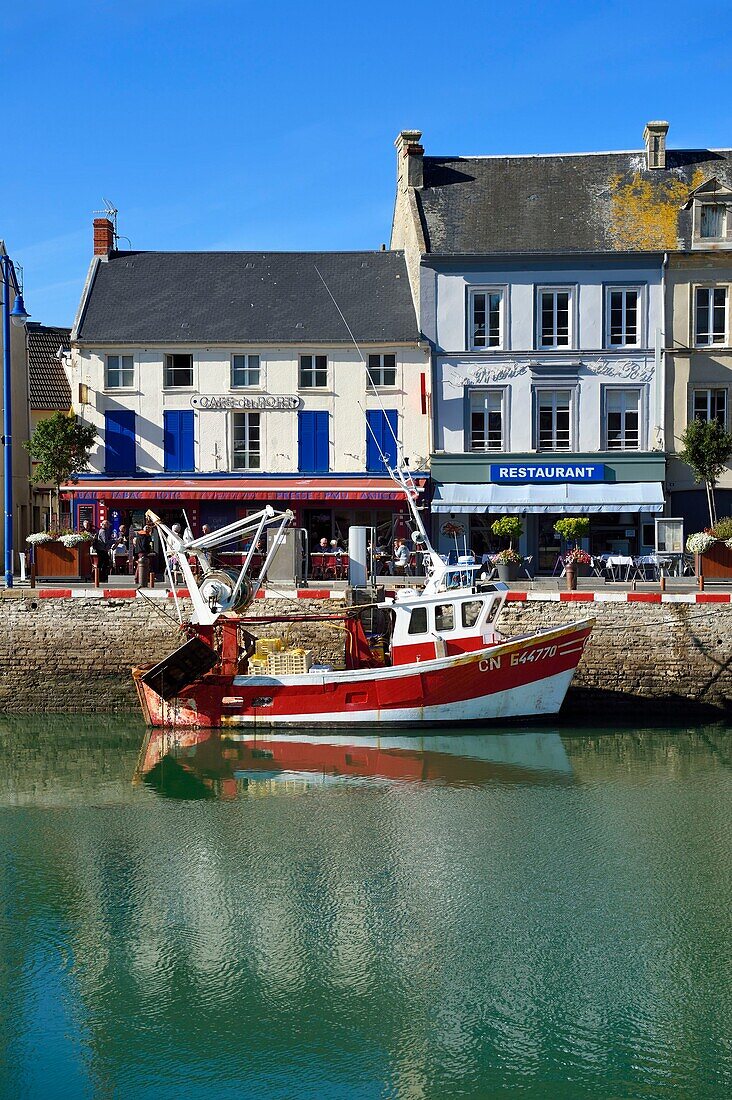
pixel 690 367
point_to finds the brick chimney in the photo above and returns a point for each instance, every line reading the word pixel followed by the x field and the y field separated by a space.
pixel 654 137
pixel 410 159
pixel 103 236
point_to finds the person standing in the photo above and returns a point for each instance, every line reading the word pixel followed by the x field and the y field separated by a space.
pixel 143 548
pixel 104 541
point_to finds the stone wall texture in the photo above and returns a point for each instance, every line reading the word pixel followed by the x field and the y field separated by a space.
pixel 644 659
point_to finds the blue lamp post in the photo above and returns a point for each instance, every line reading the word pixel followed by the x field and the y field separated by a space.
pixel 18 316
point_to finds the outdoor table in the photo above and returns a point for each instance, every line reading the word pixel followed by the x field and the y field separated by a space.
pixel 619 562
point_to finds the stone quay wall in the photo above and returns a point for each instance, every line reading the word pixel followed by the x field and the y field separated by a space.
pixel 644 658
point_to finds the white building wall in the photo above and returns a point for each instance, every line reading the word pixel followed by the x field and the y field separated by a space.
pixel 345 398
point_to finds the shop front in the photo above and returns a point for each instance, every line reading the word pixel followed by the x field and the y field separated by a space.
pixel 620 494
pixel 325 506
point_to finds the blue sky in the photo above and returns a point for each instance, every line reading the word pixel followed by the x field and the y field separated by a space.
pixel 224 124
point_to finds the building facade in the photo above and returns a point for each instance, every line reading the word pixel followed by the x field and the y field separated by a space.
pixel 220 382
pixel 545 287
pixel 20 431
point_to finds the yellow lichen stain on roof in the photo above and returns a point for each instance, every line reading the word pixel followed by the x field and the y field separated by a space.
pixel 644 212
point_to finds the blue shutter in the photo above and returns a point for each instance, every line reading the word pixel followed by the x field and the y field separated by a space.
pixel 312 443
pixel 119 442
pixel 178 440
pixel 381 439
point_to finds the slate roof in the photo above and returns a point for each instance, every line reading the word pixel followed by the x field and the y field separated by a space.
pixel 594 202
pixel 249 298
pixel 48 386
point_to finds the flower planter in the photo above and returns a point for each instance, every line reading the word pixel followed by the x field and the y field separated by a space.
pixel 56 562
pixel 716 562
pixel 508 573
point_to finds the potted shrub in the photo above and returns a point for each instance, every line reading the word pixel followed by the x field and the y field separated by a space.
pixel 712 549
pixel 572 529
pixel 507 561
pixel 574 560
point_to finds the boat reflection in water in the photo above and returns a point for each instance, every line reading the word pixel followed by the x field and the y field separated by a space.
pixel 184 763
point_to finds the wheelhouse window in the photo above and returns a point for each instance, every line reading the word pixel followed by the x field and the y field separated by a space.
pixel 622 419
pixel 554 409
pixel 444 616
pixel 711 404
pixel 486 318
pixel 555 317
pixel 382 370
pixel 418 621
pixel 120 373
pixel 178 371
pixel 245 370
pixel 710 315
pixel 247 444
pixel 486 420
pixel 623 317
pixel 313 372
pixel 470 611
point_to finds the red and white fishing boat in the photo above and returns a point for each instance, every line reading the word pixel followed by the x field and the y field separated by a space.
pixel 440 659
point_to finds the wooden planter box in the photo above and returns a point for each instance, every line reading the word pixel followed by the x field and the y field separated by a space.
pixel 717 562
pixel 56 562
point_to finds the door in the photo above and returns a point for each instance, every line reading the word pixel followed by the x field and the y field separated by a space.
pixel 381 443
pixel 312 442
pixel 178 440
pixel 119 442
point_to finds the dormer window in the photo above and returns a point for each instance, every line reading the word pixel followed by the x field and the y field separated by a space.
pixel 713 221
pixel 711 206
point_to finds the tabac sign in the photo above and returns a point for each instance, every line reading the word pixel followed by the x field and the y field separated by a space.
pixel 541 473
pixel 256 402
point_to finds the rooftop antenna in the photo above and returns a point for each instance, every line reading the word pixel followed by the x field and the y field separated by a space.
pixel 110 211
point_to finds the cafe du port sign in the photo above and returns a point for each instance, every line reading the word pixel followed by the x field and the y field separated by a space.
pixel 256 402
pixel 537 473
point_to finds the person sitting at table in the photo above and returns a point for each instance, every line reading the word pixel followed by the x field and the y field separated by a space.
pixel 382 559
pixel 400 565
pixel 119 547
pixel 323 545
pixel 334 548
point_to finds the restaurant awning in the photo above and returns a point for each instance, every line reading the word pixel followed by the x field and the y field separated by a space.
pixel 290 489
pixel 623 496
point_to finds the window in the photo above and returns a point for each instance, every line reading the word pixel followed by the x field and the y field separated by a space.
pixel 486 318
pixel 418 621
pixel 245 370
pixel 554 422
pixel 119 442
pixel 622 419
pixel 178 371
pixel 554 317
pixel 178 440
pixel 120 372
pixel 710 315
pixel 382 370
pixel 711 404
pixel 444 616
pixel 313 442
pixel 486 420
pixel 712 220
pixel 247 443
pixel 382 432
pixel 623 320
pixel 471 610
pixel 313 371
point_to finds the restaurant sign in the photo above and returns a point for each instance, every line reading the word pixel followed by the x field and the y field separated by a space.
pixel 544 473
pixel 256 402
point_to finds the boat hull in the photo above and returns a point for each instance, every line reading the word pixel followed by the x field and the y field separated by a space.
pixel 521 678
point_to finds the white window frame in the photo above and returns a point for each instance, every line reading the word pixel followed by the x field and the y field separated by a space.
pixel 248 449
pixel 314 356
pixel 502 392
pixel 538 392
pixel 502 292
pixel 725 201
pixel 558 288
pixel 709 288
pixel 176 388
pixel 708 390
pixel 380 368
pixel 119 356
pixel 625 288
pixel 247 355
pixel 641 391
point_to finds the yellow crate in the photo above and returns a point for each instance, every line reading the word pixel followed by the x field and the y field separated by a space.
pixel 265 646
pixel 291 662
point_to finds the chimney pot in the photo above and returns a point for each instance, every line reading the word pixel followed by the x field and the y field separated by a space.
pixel 654 138
pixel 103 236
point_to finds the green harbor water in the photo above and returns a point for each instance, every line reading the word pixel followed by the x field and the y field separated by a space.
pixel 538 913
